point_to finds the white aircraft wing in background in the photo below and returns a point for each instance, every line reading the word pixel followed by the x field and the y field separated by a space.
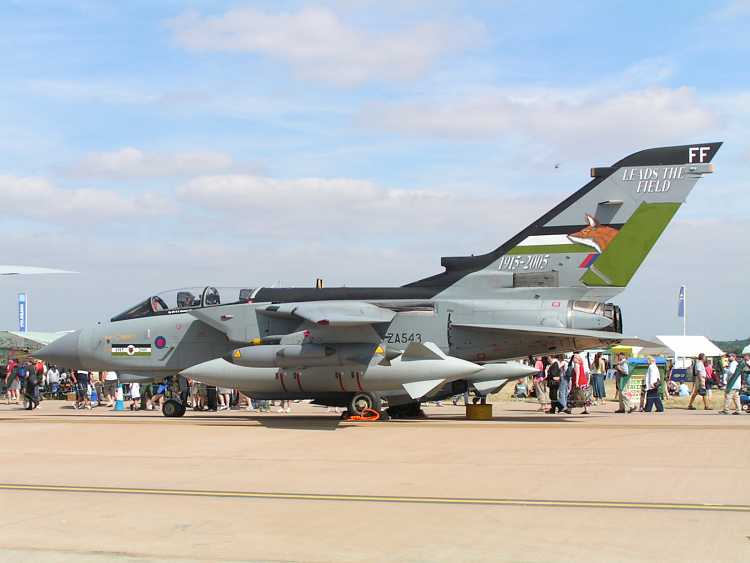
pixel 30 270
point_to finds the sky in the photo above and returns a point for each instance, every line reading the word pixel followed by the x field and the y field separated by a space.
pixel 156 145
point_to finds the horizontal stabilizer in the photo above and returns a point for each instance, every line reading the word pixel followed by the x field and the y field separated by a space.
pixel 419 389
pixel 518 341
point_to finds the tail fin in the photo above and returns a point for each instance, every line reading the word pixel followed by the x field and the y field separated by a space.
pixel 599 236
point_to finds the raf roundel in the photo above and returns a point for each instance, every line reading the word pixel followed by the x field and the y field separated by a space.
pixel 160 342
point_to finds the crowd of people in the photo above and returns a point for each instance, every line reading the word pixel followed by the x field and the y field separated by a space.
pixel 578 381
pixel 561 384
pixel 27 382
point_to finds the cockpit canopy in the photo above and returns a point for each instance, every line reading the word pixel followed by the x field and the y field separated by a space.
pixel 180 300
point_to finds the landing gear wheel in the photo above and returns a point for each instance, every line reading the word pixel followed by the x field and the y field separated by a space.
pixel 172 408
pixel 362 402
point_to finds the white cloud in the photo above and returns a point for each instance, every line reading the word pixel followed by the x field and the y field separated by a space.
pixel 351 208
pixel 99 92
pixel 318 44
pixel 734 9
pixel 131 162
pixel 38 198
pixel 558 117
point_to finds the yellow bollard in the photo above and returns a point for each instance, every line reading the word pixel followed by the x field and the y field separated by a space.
pixel 479 412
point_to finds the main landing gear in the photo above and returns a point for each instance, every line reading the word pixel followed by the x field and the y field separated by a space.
pixel 365 407
pixel 173 408
pixel 407 410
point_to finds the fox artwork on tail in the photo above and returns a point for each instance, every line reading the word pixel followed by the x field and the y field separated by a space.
pixel 596 235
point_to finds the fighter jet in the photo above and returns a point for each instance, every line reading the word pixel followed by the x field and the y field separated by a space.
pixel 544 291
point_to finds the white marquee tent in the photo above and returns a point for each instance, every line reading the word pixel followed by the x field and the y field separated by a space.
pixel 690 346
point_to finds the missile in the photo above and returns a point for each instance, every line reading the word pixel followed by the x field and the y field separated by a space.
pixel 420 362
pixel 301 355
pixel 422 368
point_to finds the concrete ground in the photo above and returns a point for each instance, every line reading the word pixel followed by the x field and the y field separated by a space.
pixel 96 486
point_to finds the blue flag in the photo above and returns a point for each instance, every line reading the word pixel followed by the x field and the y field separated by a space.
pixel 22 312
pixel 681 303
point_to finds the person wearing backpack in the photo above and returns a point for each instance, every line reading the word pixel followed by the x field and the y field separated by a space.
pixel 733 386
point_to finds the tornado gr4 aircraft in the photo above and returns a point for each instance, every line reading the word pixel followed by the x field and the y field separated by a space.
pixel 544 291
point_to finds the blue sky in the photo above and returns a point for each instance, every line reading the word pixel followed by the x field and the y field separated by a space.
pixel 152 145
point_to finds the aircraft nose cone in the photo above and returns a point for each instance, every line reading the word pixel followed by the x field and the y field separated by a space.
pixel 63 351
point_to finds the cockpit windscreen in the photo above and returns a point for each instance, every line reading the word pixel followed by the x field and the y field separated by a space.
pixel 180 300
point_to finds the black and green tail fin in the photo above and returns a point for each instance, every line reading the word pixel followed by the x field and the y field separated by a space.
pixel 600 235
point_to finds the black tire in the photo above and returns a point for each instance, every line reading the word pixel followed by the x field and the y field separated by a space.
pixel 172 408
pixel 407 411
pixel 183 409
pixel 360 402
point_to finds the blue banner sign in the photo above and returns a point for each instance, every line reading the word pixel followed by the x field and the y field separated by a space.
pixel 22 312
pixel 679 375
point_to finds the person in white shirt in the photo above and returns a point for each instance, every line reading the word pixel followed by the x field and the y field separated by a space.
pixel 653 382
pixel 732 389
pixel 135 396
pixel 53 375
pixel 110 387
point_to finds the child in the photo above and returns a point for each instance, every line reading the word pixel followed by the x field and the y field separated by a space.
pixel 158 399
pixel 520 390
